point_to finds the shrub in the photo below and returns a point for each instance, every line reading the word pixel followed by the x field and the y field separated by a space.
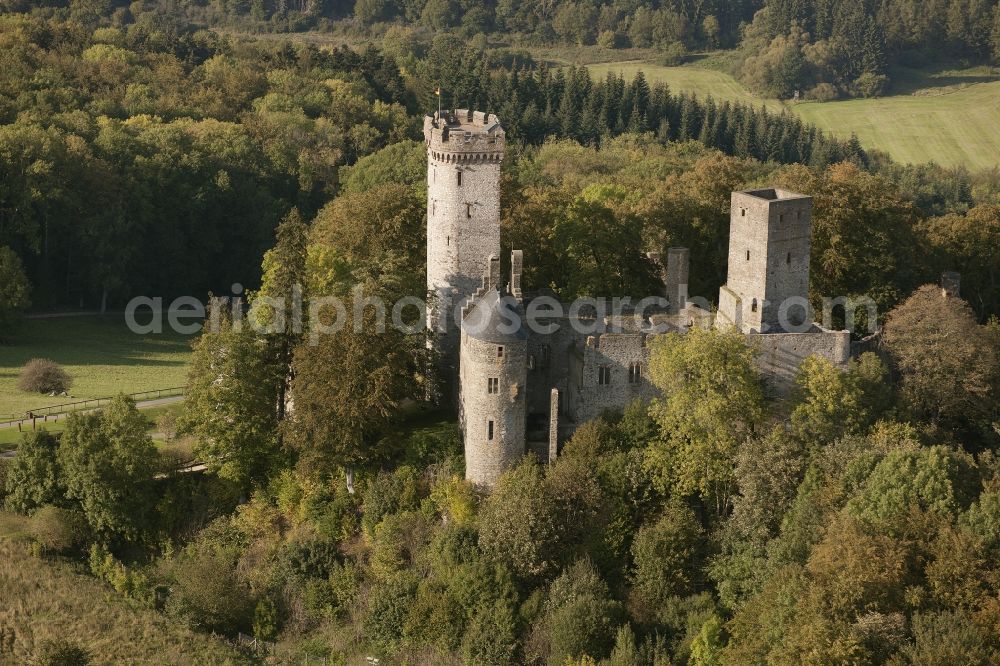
pixel 609 39
pixel 673 55
pixel 265 620
pixel 387 608
pixel 32 479
pixel 129 581
pixel 390 493
pixel 824 92
pixel 56 530
pixel 871 85
pixel 40 375
pixel 61 652
pixel 4 467
pixel 207 593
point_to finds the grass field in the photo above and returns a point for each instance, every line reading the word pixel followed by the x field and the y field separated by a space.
pixel 700 80
pixel 99 352
pixel 951 117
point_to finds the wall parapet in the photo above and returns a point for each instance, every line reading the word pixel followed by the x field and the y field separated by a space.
pixel 464 136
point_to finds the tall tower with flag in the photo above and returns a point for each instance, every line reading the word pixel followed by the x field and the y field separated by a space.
pixel 464 151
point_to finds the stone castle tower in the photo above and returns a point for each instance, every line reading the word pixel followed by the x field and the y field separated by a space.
pixel 494 380
pixel 464 152
pixel 519 388
pixel 768 278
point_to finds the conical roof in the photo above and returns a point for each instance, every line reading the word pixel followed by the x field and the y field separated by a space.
pixel 496 318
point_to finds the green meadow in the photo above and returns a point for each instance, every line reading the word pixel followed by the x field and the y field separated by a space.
pixel 99 352
pixel 951 117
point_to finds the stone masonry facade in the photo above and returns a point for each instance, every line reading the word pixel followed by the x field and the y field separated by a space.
pixel 519 390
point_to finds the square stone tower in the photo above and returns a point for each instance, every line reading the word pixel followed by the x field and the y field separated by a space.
pixel 464 151
pixel 767 284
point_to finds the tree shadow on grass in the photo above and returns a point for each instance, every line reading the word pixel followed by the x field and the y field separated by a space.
pixel 938 80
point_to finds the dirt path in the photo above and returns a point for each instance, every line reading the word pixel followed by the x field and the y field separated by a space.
pixel 143 404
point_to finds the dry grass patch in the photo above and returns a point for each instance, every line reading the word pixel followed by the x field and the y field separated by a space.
pixel 43 601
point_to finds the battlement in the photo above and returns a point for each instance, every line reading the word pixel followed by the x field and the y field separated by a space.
pixel 464 136
pixel 772 194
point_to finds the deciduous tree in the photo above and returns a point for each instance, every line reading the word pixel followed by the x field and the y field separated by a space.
pixel 947 361
pixel 712 402
pixel 108 461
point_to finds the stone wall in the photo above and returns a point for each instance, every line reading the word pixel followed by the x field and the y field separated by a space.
pixel 587 396
pixel 676 278
pixel 463 224
pixel 780 354
pixel 486 458
pixel 769 244
pixel 464 153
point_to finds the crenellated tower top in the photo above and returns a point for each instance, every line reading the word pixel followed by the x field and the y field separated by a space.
pixel 464 136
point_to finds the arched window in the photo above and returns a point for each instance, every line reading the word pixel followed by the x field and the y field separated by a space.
pixel 753 306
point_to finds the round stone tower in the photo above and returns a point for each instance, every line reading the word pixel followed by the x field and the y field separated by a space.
pixel 494 363
pixel 464 152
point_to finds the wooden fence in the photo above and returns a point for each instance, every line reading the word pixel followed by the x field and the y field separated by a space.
pixel 43 413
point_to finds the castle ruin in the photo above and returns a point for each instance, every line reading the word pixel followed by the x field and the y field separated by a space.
pixel 520 390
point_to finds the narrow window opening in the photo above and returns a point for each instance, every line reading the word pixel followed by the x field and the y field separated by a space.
pixel 500 352
pixel 489 430
pixel 493 385
pixel 788 258
pixel 447 241
pixel 781 218
pixel 753 306
pixel 748 255
pixel 468 210
pixel 743 212
pixel 604 375
pixel 634 373
pixel 459 178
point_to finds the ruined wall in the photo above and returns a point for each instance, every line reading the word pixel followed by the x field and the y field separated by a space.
pixel 779 355
pixel 549 366
pixel 588 397
pixel 676 277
